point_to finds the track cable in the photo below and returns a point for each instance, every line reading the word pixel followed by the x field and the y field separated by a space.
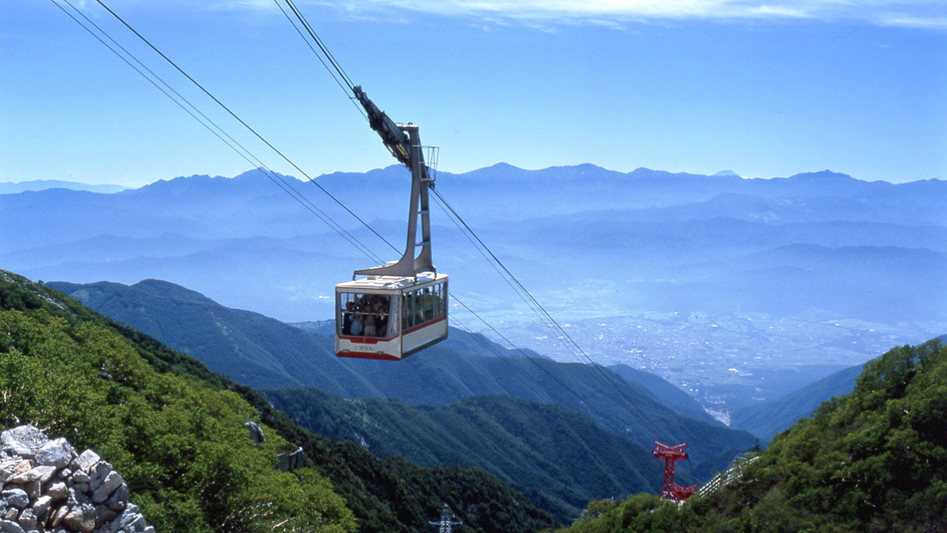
pixel 504 272
pixel 181 101
pixel 238 119
pixel 342 79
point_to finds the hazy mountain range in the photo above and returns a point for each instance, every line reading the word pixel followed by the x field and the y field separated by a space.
pixel 689 238
pixel 685 275
pixel 42 185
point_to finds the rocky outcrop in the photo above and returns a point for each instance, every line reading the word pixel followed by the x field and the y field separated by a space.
pixel 256 432
pixel 48 487
pixel 289 461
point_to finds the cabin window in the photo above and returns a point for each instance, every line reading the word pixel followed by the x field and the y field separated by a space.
pixel 365 315
pixel 423 305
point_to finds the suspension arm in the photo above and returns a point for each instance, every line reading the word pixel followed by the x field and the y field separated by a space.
pixel 394 138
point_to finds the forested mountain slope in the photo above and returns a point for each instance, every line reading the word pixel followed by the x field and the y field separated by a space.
pixel 180 444
pixel 872 461
pixel 266 353
pixel 768 418
pixel 674 397
pixel 176 431
pixel 559 458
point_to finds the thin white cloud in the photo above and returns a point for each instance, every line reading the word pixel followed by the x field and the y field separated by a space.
pixel 928 14
pixel 915 13
pixel 931 23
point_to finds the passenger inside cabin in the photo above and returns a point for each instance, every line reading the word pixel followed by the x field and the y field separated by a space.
pixel 380 315
pixel 347 318
pixel 371 324
pixel 358 322
pixel 365 315
pixel 382 326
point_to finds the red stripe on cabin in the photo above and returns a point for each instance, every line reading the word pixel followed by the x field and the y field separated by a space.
pixel 368 340
pixel 368 355
pixel 424 325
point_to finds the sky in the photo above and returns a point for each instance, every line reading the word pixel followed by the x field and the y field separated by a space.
pixel 762 89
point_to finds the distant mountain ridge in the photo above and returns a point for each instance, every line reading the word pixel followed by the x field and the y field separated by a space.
pixel 42 185
pixel 593 245
pixel 212 223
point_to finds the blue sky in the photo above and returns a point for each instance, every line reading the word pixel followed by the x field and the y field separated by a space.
pixel 698 86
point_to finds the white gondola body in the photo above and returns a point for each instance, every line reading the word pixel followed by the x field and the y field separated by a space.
pixel 407 314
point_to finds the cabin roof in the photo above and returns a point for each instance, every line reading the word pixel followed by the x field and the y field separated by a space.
pixel 391 282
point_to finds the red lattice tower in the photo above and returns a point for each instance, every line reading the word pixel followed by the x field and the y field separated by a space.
pixel 672 454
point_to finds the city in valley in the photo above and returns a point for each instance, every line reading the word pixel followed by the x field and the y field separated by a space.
pixel 724 361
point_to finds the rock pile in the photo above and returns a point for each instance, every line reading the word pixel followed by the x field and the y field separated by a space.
pixel 48 487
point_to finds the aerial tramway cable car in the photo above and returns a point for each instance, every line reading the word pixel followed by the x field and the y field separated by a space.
pixel 400 307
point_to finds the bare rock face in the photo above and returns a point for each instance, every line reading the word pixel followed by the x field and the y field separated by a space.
pixel 23 441
pixel 46 486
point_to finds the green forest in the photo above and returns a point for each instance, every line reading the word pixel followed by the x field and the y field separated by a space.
pixel 177 434
pixel 181 446
pixel 872 461
pixel 507 437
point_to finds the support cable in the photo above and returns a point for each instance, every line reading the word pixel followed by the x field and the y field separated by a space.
pixel 276 178
pixel 345 84
pixel 508 276
pixel 241 121
pixel 209 124
pixel 538 308
pixel 322 46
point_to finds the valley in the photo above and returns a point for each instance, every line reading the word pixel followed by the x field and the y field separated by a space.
pixel 737 290
pixel 681 267
pixel 725 362
pixel 743 303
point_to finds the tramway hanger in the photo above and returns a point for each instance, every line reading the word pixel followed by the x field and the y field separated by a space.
pixel 398 308
pixel 408 298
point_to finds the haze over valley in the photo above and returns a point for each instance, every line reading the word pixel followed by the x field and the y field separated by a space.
pixel 690 266
pixel 737 290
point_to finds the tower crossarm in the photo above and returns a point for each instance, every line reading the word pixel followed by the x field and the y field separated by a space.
pixel 672 454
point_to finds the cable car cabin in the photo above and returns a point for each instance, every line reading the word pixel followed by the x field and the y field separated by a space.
pixel 388 317
pixel 401 306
